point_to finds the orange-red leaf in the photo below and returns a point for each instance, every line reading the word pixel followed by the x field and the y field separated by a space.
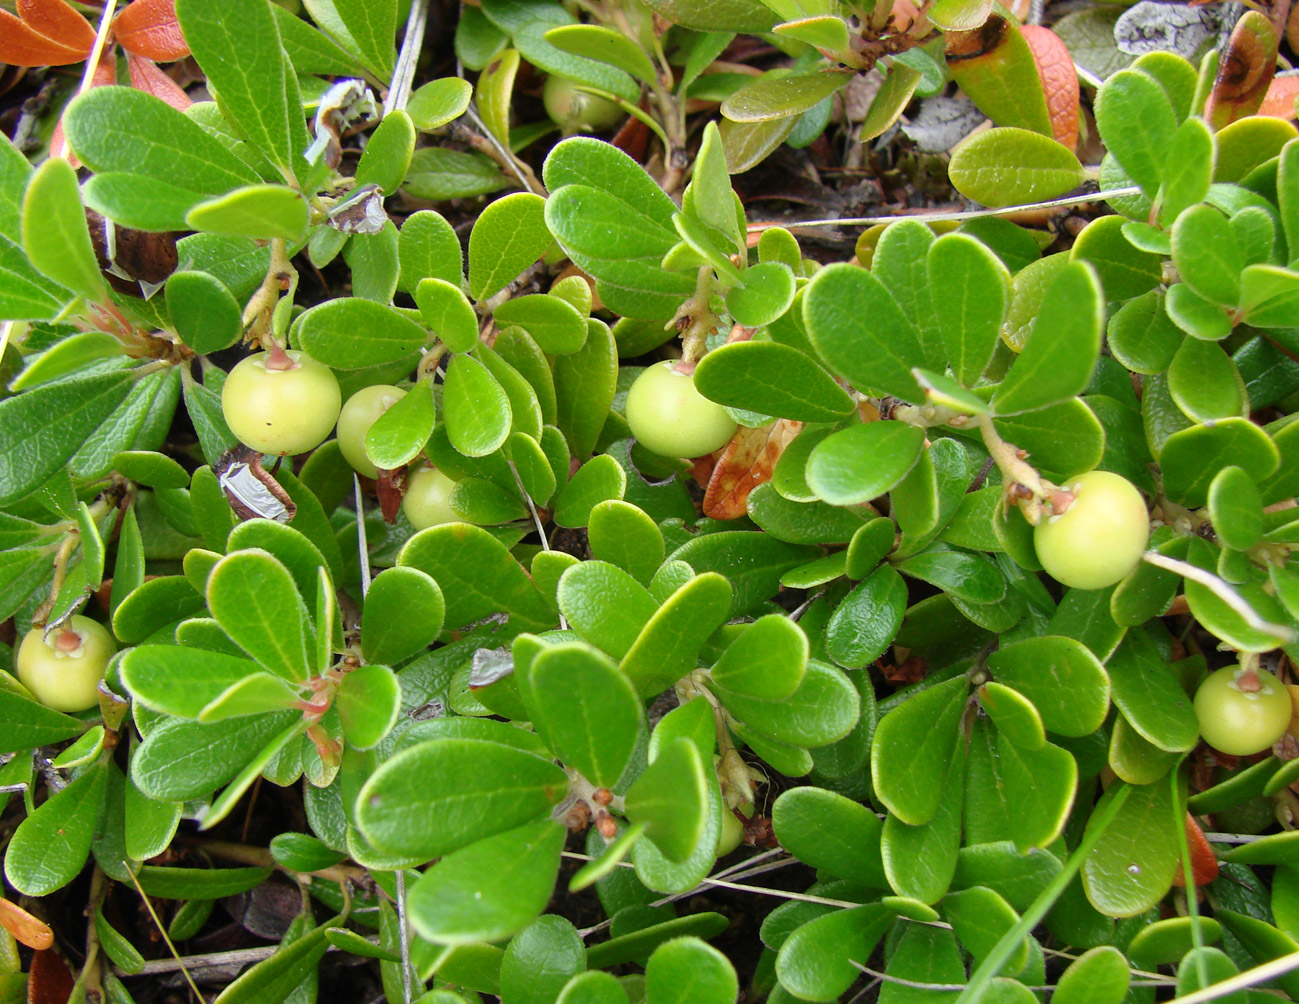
pixel 1281 94
pixel 1204 864
pixel 149 28
pixel 24 927
pixel 21 45
pixel 145 76
pixel 1244 73
pixel 1059 81
pixel 746 462
pixel 58 21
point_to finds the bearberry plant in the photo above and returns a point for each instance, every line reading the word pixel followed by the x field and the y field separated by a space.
pixel 599 593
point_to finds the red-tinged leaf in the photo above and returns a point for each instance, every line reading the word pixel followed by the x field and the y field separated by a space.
pixel 632 138
pixel 746 462
pixel 149 28
pixel 1245 71
pixel 1292 27
pixel 58 21
pixel 1059 81
pixel 1204 864
pixel 48 981
pixel 145 76
pixel 1281 94
pixel 27 929
pixel 994 66
pixel 105 73
pixel 23 46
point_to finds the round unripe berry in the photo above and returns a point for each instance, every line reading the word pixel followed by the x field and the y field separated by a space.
pixel 577 111
pixel 427 501
pixel 64 670
pixel 1241 715
pixel 669 417
pixel 1101 536
pixel 732 829
pixel 281 411
pixel 360 412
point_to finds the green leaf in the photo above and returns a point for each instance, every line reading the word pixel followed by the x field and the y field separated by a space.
pixel 239 49
pixel 980 917
pixel 912 749
pixel 1261 940
pixel 598 480
pixel 862 462
pixel 1008 165
pixel 815 961
pixel 508 236
pixel 866 621
pixel 540 960
pixel 447 793
pixel 277 977
pixel 260 211
pixel 771 379
pixel 437 173
pixel 1098 976
pixel 477 410
pixel 449 314
pixel 626 536
pixel 1206 255
pixel 891 99
pixel 775 96
pixel 400 434
pixel 586 710
pixel 387 155
pixel 1214 964
pixel 490 889
pixel 253 597
pixel 1038 788
pixel 766 293
pixel 1062 348
pixel 121 129
pixel 1141 335
pixel 975 288
pixel 181 760
pixel 1124 271
pixel 55 235
pixel 24 724
pixel 800 522
pixel 671 798
pixel 369 703
pixel 585 384
pixel 876 358
pixel 767 661
pixel 594 987
pixel 689 971
pixel 50 846
pixel 1065 682
pixel 1268 295
pixel 183 682
pixel 1191 459
pixel 1193 314
pixel 200 883
pixel 554 324
pixel 367 30
pixel 26 294
pixel 1204 382
pixel 605 605
pixel 206 317
pixel 1137 122
pixel 667 647
pixel 478 576
pixel 831 833
pixel 752 562
pixel 42 428
pixel 1132 866
pixel 1188 169
pixel 438 102
pixel 1236 509
pixel 604 45
pixel 403 615
pixel 927 955
pixel 427 247
pixel 495 91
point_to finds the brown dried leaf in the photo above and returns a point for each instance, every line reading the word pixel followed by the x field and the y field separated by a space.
pixel 1244 73
pixel 58 21
pixel 48 981
pixel 746 462
pixel 22 45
